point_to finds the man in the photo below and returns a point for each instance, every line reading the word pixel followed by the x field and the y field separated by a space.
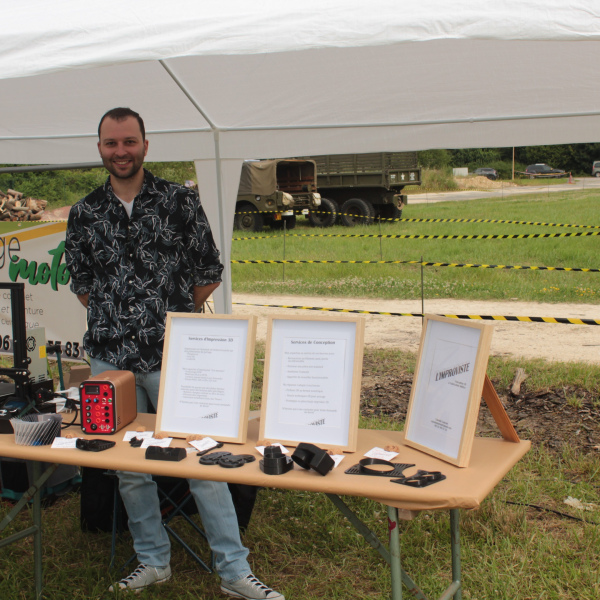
pixel 137 247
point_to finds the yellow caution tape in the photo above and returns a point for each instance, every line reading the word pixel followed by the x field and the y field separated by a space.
pixel 415 262
pixel 502 236
pixel 561 320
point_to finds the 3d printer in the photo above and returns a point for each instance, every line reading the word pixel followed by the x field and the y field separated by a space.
pixel 26 392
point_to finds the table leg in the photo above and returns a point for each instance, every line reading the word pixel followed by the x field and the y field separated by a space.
pixel 372 539
pixel 37 536
pixel 395 562
pixel 455 544
pixel 35 493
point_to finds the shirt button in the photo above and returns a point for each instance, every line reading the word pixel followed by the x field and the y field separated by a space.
pixel 133 337
pixel 130 281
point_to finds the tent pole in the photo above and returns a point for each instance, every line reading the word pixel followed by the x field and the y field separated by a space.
pixel 223 301
pixel 222 297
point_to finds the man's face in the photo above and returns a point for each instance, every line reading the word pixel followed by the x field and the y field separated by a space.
pixel 121 147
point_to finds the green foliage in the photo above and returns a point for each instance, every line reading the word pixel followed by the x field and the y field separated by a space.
pixel 65 187
pixel 435 180
pixel 434 159
pixel 179 172
pixel 475 157
pixel 59 188
pixel 62 188
pixel 574 158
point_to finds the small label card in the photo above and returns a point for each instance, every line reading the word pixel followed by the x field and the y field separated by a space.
pixel 163 442
pixel 380 453
pixel 204 444
pixel 337 459
pixel 140 435
pixel 61 442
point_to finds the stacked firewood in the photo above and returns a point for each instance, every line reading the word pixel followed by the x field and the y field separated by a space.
pixel 14 207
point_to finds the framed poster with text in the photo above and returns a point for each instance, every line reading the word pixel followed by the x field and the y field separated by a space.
pixel 206 376
pixel 447 387
pixel 311 384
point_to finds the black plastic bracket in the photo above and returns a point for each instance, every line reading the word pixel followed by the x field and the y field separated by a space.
pixel 421 479
pixel 397 470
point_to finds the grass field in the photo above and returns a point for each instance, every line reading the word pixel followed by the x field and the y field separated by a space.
pixel 414 239
pixel 303 547
pixel 298 542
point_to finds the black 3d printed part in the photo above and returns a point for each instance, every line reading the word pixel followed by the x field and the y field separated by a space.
pixel 275 462
pixel 235 460
pixel 160 453
pixel 363 469
pixel 93 445
pixel 421 479
pixel 309 456
pixel 213 458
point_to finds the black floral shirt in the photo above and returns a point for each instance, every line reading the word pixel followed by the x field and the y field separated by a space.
pixel 137 268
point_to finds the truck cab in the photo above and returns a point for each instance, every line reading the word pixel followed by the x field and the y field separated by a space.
pixel 274 193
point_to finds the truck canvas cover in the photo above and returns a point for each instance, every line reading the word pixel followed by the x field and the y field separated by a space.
pixel 265 177
pixel 258 177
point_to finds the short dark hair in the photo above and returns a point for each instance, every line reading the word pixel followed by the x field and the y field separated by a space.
pixel 120 114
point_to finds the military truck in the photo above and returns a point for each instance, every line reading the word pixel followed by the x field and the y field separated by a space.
pixel 363 187
pixel 275 192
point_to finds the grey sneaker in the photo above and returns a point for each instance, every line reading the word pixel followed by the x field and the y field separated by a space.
pixel 250 588
pixel 142 577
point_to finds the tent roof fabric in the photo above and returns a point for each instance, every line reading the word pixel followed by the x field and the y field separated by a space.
pixel 279 78
pixel 83 34
pixel 219 82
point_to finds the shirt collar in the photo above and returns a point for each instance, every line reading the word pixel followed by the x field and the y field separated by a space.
pixel 148 186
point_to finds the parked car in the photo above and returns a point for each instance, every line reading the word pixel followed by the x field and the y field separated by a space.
pixel 596 169
pixel 487 172
pixel 543 170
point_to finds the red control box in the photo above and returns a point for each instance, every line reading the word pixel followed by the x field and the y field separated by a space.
pixel 108 402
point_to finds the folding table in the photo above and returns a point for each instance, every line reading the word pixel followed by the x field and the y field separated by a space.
pixel 463 488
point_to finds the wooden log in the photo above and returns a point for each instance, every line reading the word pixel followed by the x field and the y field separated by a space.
pixel 14 206
pixel 520 377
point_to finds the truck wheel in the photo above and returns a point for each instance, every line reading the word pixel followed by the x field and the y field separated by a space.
pixel 290 222
pixel 247 218
pixel 325 215
pixel 356 211
pixel 390 211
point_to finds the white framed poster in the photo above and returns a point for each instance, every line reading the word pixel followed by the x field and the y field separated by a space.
pixel 311 384
pixel 206 376
pixel 447 387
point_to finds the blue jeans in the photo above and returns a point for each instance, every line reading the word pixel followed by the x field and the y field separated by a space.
pixel 213 499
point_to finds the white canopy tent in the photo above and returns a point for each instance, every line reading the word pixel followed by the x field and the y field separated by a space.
pixel 221 81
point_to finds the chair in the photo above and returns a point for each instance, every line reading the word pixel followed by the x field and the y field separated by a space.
pixel 175 500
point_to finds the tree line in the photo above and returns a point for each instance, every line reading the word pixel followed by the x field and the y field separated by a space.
pixel 572 158
pixel 61 188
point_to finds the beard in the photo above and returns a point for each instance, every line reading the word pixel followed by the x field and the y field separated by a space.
pixel 124 171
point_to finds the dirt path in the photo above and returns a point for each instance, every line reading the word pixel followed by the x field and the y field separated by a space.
pixel 552 342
